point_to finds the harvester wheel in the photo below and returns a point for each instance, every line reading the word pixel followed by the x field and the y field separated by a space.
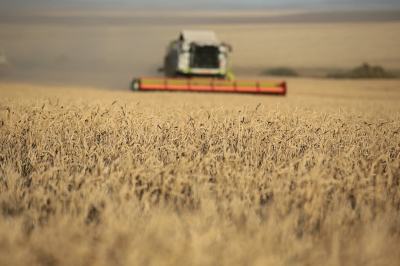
pixel 135 85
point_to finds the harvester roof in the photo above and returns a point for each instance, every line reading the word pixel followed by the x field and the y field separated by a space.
pixel 198 36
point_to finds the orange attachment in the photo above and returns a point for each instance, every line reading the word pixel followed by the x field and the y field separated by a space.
pixel 211 85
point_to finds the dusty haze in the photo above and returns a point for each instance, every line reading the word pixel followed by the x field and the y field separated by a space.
pixel 107 49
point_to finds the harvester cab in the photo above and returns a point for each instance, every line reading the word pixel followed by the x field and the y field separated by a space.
pixel 197 54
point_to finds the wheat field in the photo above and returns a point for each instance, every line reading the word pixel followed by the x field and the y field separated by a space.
pixel 94 177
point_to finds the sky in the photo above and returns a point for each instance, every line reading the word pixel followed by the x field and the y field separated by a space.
pixel 202 4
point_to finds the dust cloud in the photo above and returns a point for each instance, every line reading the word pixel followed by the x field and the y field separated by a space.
pixel 101 55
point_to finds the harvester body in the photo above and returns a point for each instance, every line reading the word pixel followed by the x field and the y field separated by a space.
pixel 197 61
pixel 197 53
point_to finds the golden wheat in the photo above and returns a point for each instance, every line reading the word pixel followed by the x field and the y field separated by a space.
pixel 115 178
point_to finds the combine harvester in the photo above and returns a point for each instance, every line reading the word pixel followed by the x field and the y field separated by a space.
pixel 197 61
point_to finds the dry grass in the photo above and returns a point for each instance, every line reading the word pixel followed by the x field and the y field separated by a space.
pixel 201 179
pixel 312 45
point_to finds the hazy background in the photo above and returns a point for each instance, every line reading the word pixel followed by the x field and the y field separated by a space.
pixel 203 5
pixel 104 43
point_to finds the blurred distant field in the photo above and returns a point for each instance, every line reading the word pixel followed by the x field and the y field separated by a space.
pixel 109 49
